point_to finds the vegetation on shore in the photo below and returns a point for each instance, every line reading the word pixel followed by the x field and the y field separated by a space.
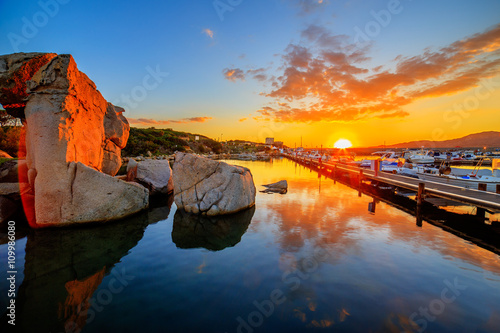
pixel 9 139
pixel 145 141
pixel 10 133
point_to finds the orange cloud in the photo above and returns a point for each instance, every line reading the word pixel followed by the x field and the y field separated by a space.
pixel 233 74
pixel 242 119
pixel 327 80
pixel 148 121
pixel 208 32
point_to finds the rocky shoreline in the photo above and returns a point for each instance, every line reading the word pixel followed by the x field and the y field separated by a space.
pixel 73 137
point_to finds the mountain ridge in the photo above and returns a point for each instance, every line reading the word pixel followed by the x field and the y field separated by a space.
pixel 475 140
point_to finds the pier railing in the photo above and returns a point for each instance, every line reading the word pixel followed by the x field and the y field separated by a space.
pixel 483 200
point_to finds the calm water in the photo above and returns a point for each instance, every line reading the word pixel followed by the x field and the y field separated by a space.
pixel 312 260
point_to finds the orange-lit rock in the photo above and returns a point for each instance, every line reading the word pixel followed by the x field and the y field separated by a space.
pixel 72 135
pixel 15 70
pixel 116 132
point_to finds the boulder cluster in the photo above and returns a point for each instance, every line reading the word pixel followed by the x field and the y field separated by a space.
pixel 73 141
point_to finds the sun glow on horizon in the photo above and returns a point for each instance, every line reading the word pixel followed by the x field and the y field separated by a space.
pixel 342 144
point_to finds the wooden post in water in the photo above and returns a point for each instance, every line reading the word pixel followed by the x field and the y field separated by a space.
pixel 481 212
pixel 420 201
pixel 420 193
pixel 498 188
pixel 377 167
pixel 334 173
pixel 360 181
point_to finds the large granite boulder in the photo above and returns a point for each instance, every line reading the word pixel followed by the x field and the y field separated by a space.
pixel 155 175
pixel 72 134
pixel 204 186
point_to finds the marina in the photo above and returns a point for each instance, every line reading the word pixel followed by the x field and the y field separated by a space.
pixel 480 198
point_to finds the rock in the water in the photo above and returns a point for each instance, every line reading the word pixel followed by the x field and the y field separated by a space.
pixel 282 184
pixel 9 189
pixel 155 175
pixel 9 171
pixel 72 134
pixel 278 187
pixel 88 196
pixel 204 186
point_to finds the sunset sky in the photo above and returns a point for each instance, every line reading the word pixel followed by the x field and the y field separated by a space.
pixel 368 71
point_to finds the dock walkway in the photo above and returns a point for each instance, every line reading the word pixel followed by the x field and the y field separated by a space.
pixel 485 200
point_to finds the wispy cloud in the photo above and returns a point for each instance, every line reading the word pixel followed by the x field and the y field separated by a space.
pixel 208 32
pixel 233 74
pixel 308 6
pixel 149 121
pixel 325 78
pixel 243 119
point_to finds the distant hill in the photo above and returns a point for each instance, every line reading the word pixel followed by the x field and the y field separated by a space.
pixel 477 140
pixel 143 141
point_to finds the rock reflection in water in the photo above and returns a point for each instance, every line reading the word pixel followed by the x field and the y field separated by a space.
pixel 213 233
pixel 64 268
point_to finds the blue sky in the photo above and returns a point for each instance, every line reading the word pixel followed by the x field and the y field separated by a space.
pixel 115 42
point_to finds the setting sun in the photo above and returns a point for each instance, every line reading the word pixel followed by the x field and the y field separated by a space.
pixel 343 144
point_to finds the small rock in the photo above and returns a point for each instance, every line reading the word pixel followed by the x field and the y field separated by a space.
pixel 280 187
pixel 282 184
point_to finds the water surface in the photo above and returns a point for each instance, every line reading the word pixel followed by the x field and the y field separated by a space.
pixel 314 259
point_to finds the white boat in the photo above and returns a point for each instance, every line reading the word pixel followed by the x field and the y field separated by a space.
pixel 439 156
pixel 389 158
pixel 469 155
pixel 422 157
pixel 455 156
pixel 443 176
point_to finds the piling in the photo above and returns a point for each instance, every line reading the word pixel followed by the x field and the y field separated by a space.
pixel 498 188
pixel 481 212
pixel 420 201
pixel 420 193
pixel 377 167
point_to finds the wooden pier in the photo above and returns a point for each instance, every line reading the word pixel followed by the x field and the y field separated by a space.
pixel 484 201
